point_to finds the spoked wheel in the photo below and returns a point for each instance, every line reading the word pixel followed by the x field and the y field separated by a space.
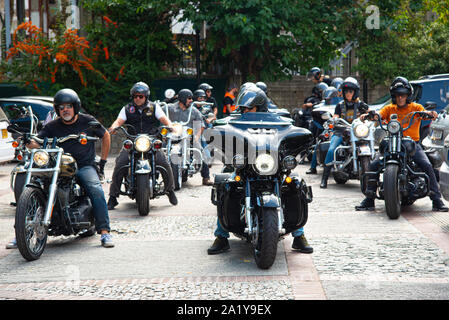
pixel 266 237
pixel 391 191
pixel 31 234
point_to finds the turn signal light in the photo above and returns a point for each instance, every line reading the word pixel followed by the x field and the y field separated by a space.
pixel 157 144
pixel 288 179
pixel 189 131
pixel 19 157
pixel 237 178
pixel 326 135
pixel 127 144
pixel 331 126
pixel 83 141
pixel 15 144
pixel 164 131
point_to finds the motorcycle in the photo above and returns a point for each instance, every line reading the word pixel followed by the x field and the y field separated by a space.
pixel 52 202
pixel 353 156
pixel 184 158
pixel 142 178
pixel 403 181
pixel 262 200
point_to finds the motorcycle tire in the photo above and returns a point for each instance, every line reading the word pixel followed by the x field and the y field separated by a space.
pixel 19 182
pixel 339 180
pixel 143 194
pixel 32 202
pixel 267 239
pixel 392 195
pixel 363 167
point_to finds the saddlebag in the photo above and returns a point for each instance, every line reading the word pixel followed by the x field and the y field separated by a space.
pixel 295 198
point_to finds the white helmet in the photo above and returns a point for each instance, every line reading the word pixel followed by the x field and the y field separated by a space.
pixel 169 93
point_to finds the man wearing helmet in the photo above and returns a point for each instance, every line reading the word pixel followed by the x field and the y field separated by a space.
pixel 302 114
pixel 144 117
pixel 179 112
pixel 67 106
pixel 170 96
pixel 208 90
pixel 316 75
pixel 254 99
pixel 350 108
pixel 401 95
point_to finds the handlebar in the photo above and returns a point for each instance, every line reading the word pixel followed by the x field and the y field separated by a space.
pixel 424 115
pixel 64 139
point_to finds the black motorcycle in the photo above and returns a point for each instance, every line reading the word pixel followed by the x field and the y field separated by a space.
pixel 403 181
pixel 262 200
pixel 142 178
pixel 52 202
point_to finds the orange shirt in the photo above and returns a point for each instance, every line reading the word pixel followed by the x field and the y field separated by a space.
pixel 413 131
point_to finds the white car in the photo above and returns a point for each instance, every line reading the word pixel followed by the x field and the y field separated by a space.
pixel 6 148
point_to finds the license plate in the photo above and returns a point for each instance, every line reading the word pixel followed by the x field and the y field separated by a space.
pixel 4 133
pixel 437 134
pixel 365 150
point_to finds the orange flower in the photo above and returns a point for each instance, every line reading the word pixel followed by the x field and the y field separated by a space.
pixel 61 57
pixel 106 53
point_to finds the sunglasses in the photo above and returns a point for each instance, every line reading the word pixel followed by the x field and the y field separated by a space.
pixel 138 96
pixel 64 106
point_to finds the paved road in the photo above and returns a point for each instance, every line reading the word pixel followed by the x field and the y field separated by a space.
pixel 357 255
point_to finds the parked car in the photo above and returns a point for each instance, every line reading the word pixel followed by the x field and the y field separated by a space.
pixel 7 152
pixel 40 107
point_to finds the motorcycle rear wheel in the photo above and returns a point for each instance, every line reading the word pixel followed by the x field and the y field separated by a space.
pixel 265 246
pixel 391 192
pixel 143 194
pixel 31 234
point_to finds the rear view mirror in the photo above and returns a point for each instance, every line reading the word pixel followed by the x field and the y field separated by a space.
pixel 430 105
pixel 13 128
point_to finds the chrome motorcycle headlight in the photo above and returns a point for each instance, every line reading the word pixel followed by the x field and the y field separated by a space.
pixel 142 144
pixel 361 131
pixel 41 158
pixel 393 127
pixel 265 164
pixel 289 162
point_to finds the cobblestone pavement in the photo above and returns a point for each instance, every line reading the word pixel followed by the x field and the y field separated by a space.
pixel 357 255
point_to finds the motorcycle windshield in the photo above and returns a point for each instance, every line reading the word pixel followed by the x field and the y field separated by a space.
pixel 255 133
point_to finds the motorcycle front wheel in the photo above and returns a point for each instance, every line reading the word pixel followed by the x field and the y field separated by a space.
pixel 392 195
pixel 31 234
pixel 267 237
pixel 143 194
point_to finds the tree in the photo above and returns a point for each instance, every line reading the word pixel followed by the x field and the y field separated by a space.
pixel 268 38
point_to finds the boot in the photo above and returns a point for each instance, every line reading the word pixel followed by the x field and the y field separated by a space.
pixel 112 203
pixel 366 205
pixel 220 245
pixel 207 182
pixel 326 173
pixel 172 198
pixel 438 205
pixel 311 171
pixel 300 243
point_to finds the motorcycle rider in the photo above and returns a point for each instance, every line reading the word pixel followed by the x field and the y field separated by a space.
pixel 208 90
pixel 401 96
pixel 67 106
pixel 263 86
pixel 179 111
pixel 300 118
pixel 170 96
pixel 350 108
pixel 228 100
pixel 316 75
pixel 144 116
pixel 221 243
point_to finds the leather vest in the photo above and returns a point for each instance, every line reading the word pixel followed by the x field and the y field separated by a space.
pixel 359 108
pixel 143 122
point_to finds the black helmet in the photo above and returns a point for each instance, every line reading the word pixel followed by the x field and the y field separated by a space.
pixel 205 86
pixel 330 92
pixel 262 85
pixel 353 84
pixel 319 89
pixel 314 73
pixel 66 96
pixel 199 93
pixel 183 95
pixel 140 87
pixel 337 82
pixel 401 85
pixel 253 97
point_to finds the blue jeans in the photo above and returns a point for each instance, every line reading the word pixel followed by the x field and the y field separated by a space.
pixel 335 142
pixel 220 232
pixel 90 181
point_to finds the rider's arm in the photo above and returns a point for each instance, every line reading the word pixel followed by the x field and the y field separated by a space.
pixel 33 145
pixel 117 123
pixel 105 145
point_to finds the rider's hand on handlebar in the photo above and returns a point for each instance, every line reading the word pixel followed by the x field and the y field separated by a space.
pixel 433 115
pixel 112 130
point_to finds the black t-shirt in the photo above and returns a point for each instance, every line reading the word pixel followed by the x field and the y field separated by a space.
pixel 212 100
pixel 83 154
